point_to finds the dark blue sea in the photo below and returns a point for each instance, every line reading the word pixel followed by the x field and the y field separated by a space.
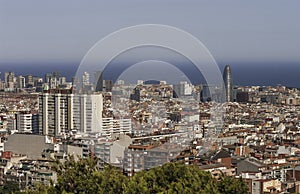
pixel 244 73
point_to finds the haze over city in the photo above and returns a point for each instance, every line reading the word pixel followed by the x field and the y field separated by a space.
pixel 256 38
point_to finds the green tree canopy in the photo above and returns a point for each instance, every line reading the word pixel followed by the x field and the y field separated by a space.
pixel 9 187
pixel 83 176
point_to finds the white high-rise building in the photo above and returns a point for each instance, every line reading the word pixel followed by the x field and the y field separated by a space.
pixel 24 123
pixel 87 112
pixel 21 82
pixel 59 113
pixel 9 77
pixel 27 123
pixel 54 113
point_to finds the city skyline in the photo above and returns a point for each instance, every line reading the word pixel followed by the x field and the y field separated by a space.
pixel 269 75
pixel 198 96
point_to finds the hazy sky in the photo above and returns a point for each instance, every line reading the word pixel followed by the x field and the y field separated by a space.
pixel 35 31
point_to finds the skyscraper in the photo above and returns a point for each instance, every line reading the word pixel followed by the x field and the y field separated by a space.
pixel 54 113
pixel 87 112
pixel 61 111
pixel 21 82
pixel 227 76
pixel 27 122
pixel 29 80
pixel 9 77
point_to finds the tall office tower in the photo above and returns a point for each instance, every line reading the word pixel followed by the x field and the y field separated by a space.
pixel 54 113
pixel 29 80
pixel 87 112
pixel 227 76
pixel 21 82
pixel 9 77
pixel 98 81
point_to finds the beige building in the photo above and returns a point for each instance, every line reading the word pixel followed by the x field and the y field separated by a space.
pixel 28 144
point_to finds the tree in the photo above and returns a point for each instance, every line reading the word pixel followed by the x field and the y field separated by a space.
pixel 111 180
pixel 83 176
pixel 41 188
pixel 171 178
pixel 231 185
pixel 10 187
pixel 76 176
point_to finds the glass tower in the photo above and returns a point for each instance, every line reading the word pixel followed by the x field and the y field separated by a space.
pixel 227 76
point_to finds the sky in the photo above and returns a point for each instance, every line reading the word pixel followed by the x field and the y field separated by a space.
pixel 245 34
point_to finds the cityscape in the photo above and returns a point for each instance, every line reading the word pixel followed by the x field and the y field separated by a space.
pixel 43 119
pixel 149 97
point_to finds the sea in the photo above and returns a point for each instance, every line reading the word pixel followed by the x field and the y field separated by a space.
pixel 243 73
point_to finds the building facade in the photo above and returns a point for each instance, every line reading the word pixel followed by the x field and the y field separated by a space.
pixel 227 76
pixel 86 112
pixel 27 123
pixel 61 112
